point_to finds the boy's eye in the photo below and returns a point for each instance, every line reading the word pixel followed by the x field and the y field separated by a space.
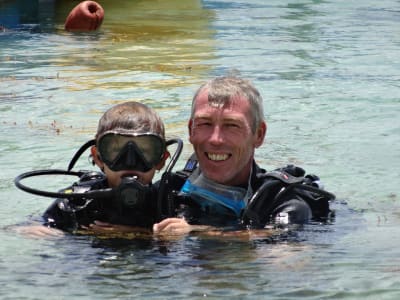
pixel 114 150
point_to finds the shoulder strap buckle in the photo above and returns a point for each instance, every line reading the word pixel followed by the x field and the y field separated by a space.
pixel 283 176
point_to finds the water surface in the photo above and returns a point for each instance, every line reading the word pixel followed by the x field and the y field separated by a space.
pixel 329 72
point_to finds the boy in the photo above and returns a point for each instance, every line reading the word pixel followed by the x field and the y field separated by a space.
pixel 129 148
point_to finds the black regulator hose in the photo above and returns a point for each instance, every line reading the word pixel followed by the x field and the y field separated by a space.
pixel 80 151
pixel 165 201
pixel 103 193
pixel 177 153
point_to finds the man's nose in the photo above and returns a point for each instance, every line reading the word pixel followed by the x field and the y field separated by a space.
pixel 216 134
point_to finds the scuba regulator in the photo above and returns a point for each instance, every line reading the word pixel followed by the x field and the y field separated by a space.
pixel 130 195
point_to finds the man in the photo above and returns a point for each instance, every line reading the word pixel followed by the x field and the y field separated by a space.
pixel 226 126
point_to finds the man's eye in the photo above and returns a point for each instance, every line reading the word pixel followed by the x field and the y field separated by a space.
pixel 203 124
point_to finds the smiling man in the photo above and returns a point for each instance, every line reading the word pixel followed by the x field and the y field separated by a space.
pixel 225 131
pixel 228 188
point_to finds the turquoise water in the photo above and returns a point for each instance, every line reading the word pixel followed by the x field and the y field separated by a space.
pixel 329 72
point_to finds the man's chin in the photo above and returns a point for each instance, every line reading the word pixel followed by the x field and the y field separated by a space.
pixel 218 178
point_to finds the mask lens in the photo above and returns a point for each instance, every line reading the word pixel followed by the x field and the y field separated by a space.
pixel 116 150
pixel 151 146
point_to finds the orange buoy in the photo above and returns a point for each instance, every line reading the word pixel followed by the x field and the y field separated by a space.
pixel 86 16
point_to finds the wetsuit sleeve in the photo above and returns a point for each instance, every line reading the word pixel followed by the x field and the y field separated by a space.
pixel 55 217
pixel 293 211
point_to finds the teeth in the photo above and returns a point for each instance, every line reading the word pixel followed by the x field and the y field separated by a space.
pixel 217 157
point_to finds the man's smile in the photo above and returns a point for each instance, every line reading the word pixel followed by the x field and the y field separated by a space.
pixel 217 156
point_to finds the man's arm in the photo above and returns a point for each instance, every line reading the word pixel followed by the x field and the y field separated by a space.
pixel 294 211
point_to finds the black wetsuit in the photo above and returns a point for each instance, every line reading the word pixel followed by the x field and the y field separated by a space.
pixel 68 214
pixel 283 196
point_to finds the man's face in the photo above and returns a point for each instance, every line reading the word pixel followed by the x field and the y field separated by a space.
pixel 223 140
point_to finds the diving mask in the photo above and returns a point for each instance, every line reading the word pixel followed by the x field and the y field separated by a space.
pixel 130 151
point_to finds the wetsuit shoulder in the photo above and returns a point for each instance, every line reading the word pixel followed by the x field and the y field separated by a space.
pixel 286 195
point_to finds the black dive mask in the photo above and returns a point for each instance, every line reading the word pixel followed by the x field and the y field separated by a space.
pixel 140 152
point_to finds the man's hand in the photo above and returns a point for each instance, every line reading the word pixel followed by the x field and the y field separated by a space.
pixel 178 226
pixel 172 226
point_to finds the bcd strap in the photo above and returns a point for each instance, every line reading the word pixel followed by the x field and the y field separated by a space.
pixel 282 176
pixel 191 164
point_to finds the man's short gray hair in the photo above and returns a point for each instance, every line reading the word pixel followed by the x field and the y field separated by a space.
pixel 223 90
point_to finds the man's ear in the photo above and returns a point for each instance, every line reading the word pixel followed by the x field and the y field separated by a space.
pixel 260 134
pixel 161 164
pixel 96 157
pixel 190 124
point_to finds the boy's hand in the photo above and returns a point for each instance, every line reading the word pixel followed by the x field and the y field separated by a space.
pixel 104 227
pixel 39 231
